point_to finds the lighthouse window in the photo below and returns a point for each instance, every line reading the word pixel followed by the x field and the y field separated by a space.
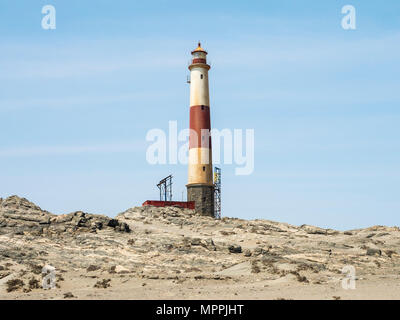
pixel 202 107
pixel 201 76
pixel 204 168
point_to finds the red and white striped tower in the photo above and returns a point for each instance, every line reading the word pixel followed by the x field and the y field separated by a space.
pixel 200 187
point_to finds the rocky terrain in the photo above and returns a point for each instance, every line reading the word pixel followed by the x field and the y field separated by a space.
pixel 173 253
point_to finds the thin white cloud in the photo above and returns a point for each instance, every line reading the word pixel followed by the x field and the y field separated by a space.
pixel 33 151
pixel 81 67
pixel 93 100
pixel 333 174
pixel 331 52
pixel 260 51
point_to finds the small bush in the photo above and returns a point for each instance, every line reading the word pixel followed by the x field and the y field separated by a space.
pixel 105 283
pixel 14 284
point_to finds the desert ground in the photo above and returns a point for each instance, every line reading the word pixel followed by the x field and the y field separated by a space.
pixel 174 253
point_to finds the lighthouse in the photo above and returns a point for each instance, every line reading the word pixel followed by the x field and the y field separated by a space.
pixel 200 187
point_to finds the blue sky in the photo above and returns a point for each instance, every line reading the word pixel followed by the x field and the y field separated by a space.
pixel 76 104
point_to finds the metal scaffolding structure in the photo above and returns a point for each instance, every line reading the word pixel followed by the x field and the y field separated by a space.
pixel 165 186
pixel 217 193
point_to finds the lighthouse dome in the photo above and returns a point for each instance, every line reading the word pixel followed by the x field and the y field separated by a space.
pixel 199 49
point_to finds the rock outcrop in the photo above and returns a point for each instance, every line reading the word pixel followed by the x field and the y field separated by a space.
pixel 178 251
pixel 20 216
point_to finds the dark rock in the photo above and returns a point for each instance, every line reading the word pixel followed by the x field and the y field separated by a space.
pixel 373 252
pixel 235 249
pixel 68 295
pixel 92 268
pixel 124 227
pixel 98 225
pixel 195 242
pixel 118 226
pixel 258 251
pixel 19 231
pixel 389 253
pixel 209 244
pixel 112 269
pixel 113 223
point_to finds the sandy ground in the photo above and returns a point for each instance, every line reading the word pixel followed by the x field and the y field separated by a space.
pixel 131 288
pixel 172 253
